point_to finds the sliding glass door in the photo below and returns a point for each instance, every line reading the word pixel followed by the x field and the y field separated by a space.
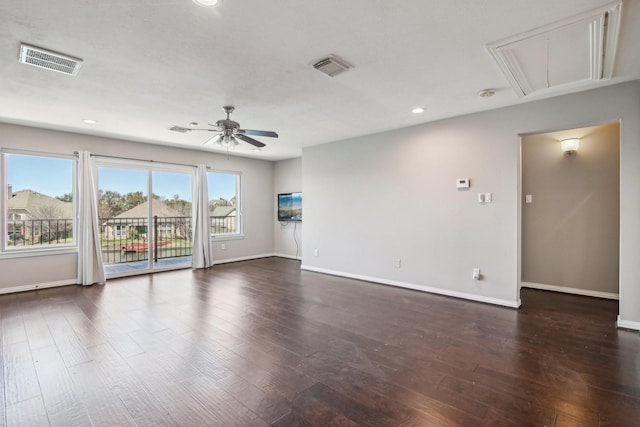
pixel 145 216
pixel 171 219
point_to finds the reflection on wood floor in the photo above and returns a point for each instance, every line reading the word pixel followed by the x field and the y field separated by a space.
pixel 260 343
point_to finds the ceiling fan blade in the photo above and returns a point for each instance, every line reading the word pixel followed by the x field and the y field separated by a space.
pixel 213 140
pixel 250 140
pixel 258 133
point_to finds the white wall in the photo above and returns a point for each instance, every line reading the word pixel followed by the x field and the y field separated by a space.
pixel 287 178
pixel 257 197
pixel 374 199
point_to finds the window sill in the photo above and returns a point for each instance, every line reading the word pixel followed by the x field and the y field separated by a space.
pixel 227 237
pixel 30 253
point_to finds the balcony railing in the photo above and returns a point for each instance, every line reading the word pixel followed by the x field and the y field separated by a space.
pixel 122 239
pixel 223 224
pixel 39 232
pixel 130 239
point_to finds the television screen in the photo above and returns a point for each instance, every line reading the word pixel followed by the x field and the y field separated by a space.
pixel 290 207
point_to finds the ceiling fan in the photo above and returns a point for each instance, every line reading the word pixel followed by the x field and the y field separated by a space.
pixel 228 132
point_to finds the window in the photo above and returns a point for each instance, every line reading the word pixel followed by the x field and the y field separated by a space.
pixel 224 203
pixel 39 210
pixel 120 230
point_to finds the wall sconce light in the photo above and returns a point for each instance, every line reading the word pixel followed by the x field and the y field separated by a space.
pixel 208 3
pixel 570 146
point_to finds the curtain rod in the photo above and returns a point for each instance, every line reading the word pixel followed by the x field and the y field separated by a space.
pixel 209 168
pixel 139 160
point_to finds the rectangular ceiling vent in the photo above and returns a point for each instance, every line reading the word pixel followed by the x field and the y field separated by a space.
pixel 331 66
pixel 567 54
pixel 179 129
pixel 49 60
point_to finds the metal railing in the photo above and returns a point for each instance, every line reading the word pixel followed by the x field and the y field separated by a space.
pixel 223 224
pixel 39 232
pixel 130 239
pixel 121 239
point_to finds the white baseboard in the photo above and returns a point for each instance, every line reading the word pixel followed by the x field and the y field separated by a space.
pixel 24 288
pixel 429 289
pixel 585 292
pixel 628 324
pixel 299 258
pixel 244 258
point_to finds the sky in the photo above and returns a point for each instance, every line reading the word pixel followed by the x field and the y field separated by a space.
pixel 53 177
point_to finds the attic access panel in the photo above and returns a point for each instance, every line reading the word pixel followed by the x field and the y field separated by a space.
pixel 570 53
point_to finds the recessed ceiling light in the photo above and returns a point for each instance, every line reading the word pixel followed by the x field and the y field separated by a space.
pixel 208 3
pixel 90 121
pixel 418 110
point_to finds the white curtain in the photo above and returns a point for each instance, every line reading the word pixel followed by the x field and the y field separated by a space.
pixel 90 265
pixel 202 255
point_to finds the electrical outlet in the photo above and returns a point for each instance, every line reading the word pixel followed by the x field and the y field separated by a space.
pixel 316 252
pixel 397 263
pixel 223 246
pixel 476 274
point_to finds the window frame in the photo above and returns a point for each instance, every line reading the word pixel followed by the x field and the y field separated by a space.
pixel 7 251
pixel 239 233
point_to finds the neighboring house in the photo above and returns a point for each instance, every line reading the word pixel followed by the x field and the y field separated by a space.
pixel 32 215
pixel 171 223
pixel 223 219
pixel 27 204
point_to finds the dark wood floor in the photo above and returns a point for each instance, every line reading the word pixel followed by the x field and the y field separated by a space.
pixel 261 343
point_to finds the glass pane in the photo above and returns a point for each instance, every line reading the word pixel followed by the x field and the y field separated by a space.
pixel 123 210
pixel 39 201
pixel 223 201
pixel 171 211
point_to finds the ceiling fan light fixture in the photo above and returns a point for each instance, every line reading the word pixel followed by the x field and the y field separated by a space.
pixel 228 142
pixel 228 132
pixel 208 3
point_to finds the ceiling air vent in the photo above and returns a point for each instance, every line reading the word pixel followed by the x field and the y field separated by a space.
pixel 331 66
pixel 179 129
pixel 570 53
pixel 49 60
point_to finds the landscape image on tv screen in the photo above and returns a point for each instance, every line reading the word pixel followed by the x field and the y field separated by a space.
pixel 290 207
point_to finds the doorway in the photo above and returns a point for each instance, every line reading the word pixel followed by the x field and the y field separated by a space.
pixel 570 211
pixel 145 216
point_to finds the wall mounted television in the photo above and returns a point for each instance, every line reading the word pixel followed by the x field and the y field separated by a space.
pixel 290 207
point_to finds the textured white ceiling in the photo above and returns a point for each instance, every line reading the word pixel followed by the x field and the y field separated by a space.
pixel 151 64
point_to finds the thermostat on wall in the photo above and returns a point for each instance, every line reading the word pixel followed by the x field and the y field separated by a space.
pixel 463 183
